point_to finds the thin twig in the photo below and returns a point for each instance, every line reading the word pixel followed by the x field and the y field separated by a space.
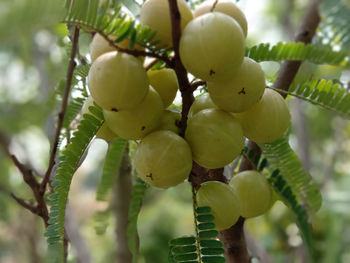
pixel 195 85
pixel 151 64
pixel 137 52
pixel 61 115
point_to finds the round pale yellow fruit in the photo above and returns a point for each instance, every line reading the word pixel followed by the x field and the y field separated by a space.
pixel 164 81
pixel 267 120
pixel 163 159
pixel 138 122
pixel 201 103
pixel 254 191
pixel 212 46
pixel 155 14
pixel 169 120
pixel 223 201
pixel 215 137
pixel 244 89
pixel 117 81
pixel 104 132
pixel 99 46
pixel 227 7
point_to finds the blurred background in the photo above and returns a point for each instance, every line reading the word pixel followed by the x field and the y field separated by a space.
pixel 34 54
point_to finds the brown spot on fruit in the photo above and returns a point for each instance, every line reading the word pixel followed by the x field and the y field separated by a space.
pixel 150 176
pixel 114 109
pixel 242 92
pixel 143 128
pixel 211 72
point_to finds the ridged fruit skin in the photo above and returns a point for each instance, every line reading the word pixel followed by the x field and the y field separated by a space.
pixel 168 121
pixel 267 120
pixel 215 137
pixel 155 14
pixel 104 132
pixel 100 46
pixel 164 81
pixel 254 191
pixel 212 46
pixel 243 90
pixel 117 81
pixel 223 201
pixel 163 159
pixel 136 123
pixel 227 7
pixel 201 103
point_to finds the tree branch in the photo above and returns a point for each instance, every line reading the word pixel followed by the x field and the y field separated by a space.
pixel 181 72
pixel 61 115
pixel 136 52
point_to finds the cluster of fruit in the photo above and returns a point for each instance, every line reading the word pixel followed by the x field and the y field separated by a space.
pixel 135 103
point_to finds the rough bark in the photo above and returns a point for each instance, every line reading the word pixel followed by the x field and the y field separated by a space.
pixel 123 189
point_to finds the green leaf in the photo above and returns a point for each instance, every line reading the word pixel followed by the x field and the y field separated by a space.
pixel 296 51
pixel 183 241
pixel 281 156
pixel 111 168
pixel 289 198
pixel 327 94
pixel 137 196
pixel 66 168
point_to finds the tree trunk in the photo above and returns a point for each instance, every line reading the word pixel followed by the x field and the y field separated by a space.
pixel 122 196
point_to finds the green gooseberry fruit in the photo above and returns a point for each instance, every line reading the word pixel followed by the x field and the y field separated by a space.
pixel 254 191
pixel 104 132
pixel 267 120
pixel 168 121
pixel 201 103
pixel 117 81
pixel 223 201
pixel 164 81
pixel 212 46
pixel 136 123
pixel 163 159
pixel 155 14
pixel 227 7
pixel 215 137
pixel 99 46
pixel 244 88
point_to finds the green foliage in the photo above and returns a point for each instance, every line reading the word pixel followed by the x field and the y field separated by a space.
pixel 76 103
pixel 281 156
pixel 101 221
pixel 334 29
pixel 289 198
pixel 111 168
pixel 138 194
pixel 69 160
pixel 328 94
pixel 296 51
pixel 204 246
pixel 92 18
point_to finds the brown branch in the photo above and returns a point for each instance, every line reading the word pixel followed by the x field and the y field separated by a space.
pixel 23 203
pixel 136 52
pixel 61 115
pixel 195 85
pixel 181 72
pixel 29 178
